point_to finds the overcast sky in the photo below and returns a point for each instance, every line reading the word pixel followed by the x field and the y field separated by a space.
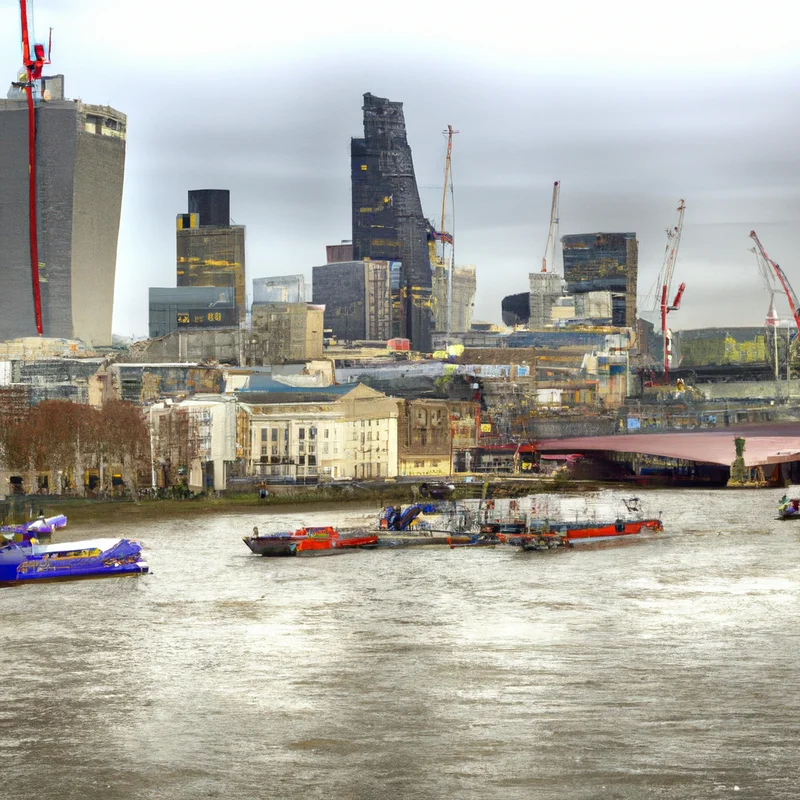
pixel 630 105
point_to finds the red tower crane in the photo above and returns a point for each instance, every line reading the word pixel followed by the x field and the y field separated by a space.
pixel 794 304
pixel 33 63
pixel 665 282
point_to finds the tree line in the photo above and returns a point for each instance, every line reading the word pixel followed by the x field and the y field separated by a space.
pixel 65 439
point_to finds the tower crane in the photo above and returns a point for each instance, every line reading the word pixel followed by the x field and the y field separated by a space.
pixel 768 278
pixel 33 64
pixel 665 282
pixel 552 234
pixel 448 184
pixel 794 304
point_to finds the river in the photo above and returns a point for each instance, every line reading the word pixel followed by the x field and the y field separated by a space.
pixel 663 665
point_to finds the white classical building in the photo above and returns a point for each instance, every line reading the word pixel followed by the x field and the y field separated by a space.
pixel 353 435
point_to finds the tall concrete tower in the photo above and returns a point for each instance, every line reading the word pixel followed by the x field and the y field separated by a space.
pixel 80 152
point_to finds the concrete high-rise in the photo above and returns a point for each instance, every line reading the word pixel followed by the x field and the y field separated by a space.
pixel 210 251
pixel 80 157
pixel 604 262
pixel 388 223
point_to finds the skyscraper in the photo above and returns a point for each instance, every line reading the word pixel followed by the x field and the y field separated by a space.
pixel 388 223
pixel 80 154
pixel 210 251
pixel 604 262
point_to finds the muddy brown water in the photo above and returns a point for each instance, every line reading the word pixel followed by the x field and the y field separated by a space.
pixel 664 665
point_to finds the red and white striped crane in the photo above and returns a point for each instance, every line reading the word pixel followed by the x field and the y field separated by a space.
pixel 794 304
pixel 665 282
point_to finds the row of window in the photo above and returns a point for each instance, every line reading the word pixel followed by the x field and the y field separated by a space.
pixel 272 434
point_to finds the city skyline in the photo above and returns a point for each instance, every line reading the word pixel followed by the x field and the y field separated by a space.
pixel 704 115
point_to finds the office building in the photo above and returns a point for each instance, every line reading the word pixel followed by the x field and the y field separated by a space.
pixel 357 297
pixel 388 223
pixel 211 251
pixel 80 162
pixel 280 289
pixel 181 307
pixel 604 262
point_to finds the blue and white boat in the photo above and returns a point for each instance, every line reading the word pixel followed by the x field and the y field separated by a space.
pixel 31 562
pixel 39 528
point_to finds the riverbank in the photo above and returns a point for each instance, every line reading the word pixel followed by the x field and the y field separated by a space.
pixel 81 509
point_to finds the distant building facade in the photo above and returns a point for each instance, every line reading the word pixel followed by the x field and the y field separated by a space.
pixel 464 286
pixel 211 251
pixel 339 252
pixel 280 289
pixel 546 289
pixel 184 307
pixel 357 297
pixel 388 223
pixel 80 151
pixel 604 262
pixel 285 332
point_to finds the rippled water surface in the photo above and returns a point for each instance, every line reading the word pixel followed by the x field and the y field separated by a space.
pixel 659 666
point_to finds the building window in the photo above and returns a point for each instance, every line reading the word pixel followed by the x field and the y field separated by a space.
pixel 312 433
pixel 312 461
pixel 377 435
pixel 369 436
pixel 378 470
pixel 355 436
pixel 301 433
pixel 264 434
pixel 326 433
pixel 302 461
pixel 312 448
pixel 274 449
pixel 335 448
pixel 325 449
pixel 263 450
pixel 274 434
pixel 362 423
pixel 302 447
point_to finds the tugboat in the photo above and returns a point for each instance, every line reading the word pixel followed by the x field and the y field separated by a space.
pixel 31 562
pixel 634 522
pixel 317 541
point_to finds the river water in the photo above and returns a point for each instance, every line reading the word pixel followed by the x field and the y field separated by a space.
pixel 663 665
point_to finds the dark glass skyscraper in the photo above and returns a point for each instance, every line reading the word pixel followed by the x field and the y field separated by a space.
pixel 210 251
pixel 388 223
pixel 604 262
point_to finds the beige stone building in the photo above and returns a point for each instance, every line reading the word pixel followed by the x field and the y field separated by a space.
pixel 352 435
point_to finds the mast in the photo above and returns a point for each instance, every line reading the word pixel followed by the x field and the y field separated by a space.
pixel 449 133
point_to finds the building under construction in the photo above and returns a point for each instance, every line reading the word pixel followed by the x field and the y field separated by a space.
pixel 604 262
pixel 210 251
pixel 80 158
pixel 388 223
